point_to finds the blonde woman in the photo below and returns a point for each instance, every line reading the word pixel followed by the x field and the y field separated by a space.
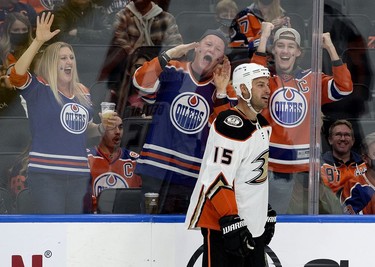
pixel 60 114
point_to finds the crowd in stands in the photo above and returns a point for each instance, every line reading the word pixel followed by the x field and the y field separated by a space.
pixel 151 73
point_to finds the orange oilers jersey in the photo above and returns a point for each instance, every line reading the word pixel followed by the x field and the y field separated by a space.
pixel 288 113
pixel 233 177
pixel 358 196
pixel 113 173
pixel 336 173
pixel 249 25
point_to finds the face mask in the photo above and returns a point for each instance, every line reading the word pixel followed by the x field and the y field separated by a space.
pixel 226 22
pixel 19 38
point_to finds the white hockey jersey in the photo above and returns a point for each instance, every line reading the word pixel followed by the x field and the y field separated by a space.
pixel 233 177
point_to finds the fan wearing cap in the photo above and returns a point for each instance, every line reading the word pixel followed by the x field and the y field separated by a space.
pixel 230 200
pixel 288 113
pixel 186 95
pixel 249 20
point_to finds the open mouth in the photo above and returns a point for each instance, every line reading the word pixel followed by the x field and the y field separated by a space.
pixel 68 70
pixel 208 58
pixel 284 58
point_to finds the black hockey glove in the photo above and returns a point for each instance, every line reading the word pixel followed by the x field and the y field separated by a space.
pixel 237 238
pixel 270 225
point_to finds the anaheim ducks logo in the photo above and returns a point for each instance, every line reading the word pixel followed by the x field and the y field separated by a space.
pixel 234 121
pixel 109 180
pixel 288 107
pixel 189 113
pixel 260 171
pixel 74 118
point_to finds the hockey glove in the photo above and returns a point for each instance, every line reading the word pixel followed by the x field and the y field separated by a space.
pixel 270 225
pixel 237 238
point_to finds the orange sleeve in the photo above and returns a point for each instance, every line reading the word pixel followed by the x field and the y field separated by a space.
pixel 342 79
pixel 147 75
pixel 16 79
pixel 258 59
pixel 224 202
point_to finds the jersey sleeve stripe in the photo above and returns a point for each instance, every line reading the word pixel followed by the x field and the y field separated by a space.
pixel 168 159
pixel 172 152
pixel 334 92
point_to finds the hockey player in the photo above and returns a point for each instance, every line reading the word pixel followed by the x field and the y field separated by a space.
pixel 230 199
pixel 288 113
pixel 185 95
pixel 112 166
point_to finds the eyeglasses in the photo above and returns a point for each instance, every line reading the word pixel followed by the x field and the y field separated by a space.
pixel 340 135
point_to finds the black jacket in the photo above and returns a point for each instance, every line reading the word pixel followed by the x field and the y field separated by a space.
pixel 91 23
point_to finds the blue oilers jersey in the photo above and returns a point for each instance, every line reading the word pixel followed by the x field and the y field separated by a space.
pixel 176 139
pixel 58 131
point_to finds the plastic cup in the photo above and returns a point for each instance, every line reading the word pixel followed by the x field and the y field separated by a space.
pixel 108 109
pixel 151 203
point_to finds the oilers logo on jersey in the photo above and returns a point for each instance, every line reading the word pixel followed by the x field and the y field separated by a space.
pixel 109 180
pixel 288 107
pixel 189 113
pixel 74 118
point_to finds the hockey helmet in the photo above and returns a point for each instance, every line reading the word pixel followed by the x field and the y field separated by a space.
pixel 245 74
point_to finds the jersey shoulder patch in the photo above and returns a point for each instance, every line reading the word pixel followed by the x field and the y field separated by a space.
pixel 231 124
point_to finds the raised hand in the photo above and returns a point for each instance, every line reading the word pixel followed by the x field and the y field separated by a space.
pixel 222 76
pixel 43 27
pixel 329 46
pixel 326 40
pixel 266 29
pixel 181 50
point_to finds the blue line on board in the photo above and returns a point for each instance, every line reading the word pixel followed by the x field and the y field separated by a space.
pixel 145 218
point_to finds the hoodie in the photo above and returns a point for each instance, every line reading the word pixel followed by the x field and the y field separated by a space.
pixel 133 30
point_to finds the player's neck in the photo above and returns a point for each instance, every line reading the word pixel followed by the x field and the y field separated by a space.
pixel 246 111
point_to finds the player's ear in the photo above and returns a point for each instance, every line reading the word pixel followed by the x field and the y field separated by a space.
pixel 196 49
pixel 299 52
pixel 243 89
pixel 330 141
